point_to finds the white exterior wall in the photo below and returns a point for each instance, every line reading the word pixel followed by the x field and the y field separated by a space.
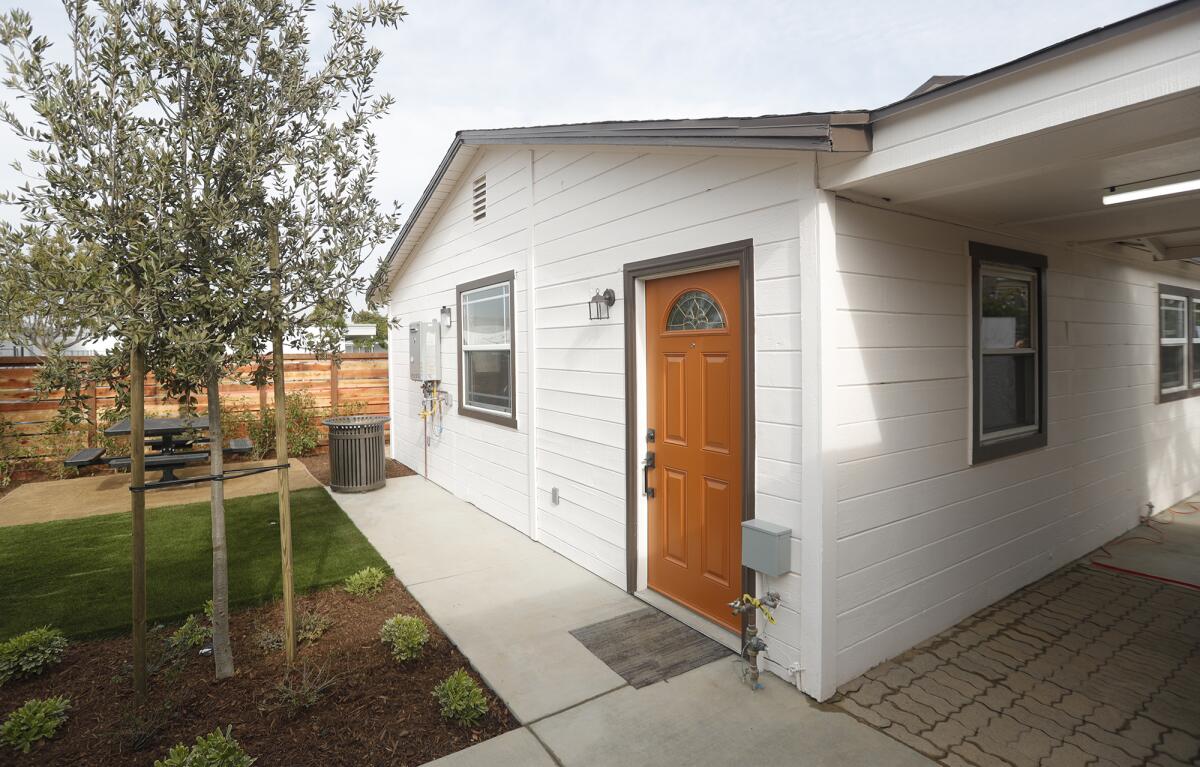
pixel 594 210
pixel 478 461
pixel 923 538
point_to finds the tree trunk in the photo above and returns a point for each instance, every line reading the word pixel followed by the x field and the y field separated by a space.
pixel 222 651
pixel 137 500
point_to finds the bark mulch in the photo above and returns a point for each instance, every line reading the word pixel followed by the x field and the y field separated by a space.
pixel 318 466
pixel 377 711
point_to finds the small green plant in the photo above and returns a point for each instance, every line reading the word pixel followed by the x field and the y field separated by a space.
pixel 367 582
pixel 405 634
pixel 311 625
pixel 461 698
pixel 269 639
pixel 216 749
pixel 193 632
pixel 36 721
pixel 300 690
pixel 31 653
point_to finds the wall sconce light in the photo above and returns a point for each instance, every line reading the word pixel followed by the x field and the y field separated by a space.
pixel 447 320
pixel 600 303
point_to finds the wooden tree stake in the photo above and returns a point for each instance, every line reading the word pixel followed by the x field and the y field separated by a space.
pixel 137 478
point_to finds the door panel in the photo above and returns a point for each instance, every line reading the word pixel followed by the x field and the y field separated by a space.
pixel 694 405
pixel 675 549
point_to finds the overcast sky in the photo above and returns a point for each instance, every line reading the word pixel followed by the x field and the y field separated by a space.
pixel 457 64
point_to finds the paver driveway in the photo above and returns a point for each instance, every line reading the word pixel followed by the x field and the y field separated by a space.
pixel 1084 667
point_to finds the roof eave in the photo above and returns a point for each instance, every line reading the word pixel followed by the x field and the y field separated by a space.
pixel 837 132
pixel 1049 53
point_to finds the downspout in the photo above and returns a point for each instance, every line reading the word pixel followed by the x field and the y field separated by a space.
pixel 530 358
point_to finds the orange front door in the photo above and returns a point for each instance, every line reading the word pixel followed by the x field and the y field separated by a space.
pixel 694 408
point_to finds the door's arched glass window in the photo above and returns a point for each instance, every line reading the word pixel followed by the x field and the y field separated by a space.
pixel 695 310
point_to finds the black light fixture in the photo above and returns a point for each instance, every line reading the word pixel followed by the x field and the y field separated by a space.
pixel 446 318
pixel 600 303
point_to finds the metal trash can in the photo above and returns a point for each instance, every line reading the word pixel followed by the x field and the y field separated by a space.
pixel 356 459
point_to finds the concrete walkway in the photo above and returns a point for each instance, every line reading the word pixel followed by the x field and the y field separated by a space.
pixel 509 603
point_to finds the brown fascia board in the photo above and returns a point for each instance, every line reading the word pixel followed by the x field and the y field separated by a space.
pixel 809 131
pixel 1049 53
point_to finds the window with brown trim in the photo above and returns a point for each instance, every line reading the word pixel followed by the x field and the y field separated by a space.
pixel 1008 351
pixel 487 372
pixel 1178 342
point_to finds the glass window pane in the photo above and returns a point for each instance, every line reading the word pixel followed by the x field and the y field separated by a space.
pixel 1172 322
pixel 1007 318
pixel 1008 393
pixel 486 379
pixel 485 316
pixel 1171 363
pixel 695 310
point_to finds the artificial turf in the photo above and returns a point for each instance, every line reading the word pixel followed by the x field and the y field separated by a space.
pixel 75 574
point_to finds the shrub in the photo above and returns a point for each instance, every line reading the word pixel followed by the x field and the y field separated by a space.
pixel 461 698
pixel 37 720
pixel 31 653
pixel 405 634
pixel 298 692
pixel 302 431
pixel 216 749
pixel 367 582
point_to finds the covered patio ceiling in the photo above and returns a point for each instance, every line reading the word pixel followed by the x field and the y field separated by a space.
pixel 1051 183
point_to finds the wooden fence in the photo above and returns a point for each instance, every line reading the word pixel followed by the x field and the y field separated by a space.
pixel 359 383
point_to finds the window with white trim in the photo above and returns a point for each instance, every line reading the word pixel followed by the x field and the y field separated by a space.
pixel 1178 342
pixel 487 374
pixel 1009 351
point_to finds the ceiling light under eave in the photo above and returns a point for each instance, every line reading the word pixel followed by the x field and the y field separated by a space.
pixel 1143 192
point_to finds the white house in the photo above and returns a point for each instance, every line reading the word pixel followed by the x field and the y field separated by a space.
pixel 950 344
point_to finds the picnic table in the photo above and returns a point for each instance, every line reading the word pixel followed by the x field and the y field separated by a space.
pixel 172 438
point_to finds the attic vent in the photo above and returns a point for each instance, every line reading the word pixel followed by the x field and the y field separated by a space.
pixel 479 198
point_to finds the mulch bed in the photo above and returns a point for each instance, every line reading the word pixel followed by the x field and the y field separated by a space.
pixel 378 711
pixel 318 466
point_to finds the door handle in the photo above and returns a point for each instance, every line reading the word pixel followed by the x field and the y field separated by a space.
pixel 647 465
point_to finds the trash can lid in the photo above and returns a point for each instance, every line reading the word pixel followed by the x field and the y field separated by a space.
pixel 349 421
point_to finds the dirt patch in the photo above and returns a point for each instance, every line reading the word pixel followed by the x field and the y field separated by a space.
pixel 318 466
pixel 377 711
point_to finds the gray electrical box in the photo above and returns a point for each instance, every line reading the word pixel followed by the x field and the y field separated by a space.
pixel 766 547
pixel 425 351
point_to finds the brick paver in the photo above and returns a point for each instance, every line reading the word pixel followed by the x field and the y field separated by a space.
pixel 1084 667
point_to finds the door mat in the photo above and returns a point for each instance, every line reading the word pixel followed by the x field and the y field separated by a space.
pixel 648 646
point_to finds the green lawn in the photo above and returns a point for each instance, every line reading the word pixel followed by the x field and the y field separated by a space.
pixel 75 574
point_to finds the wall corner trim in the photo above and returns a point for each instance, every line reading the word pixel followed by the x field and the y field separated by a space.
pixel 819 287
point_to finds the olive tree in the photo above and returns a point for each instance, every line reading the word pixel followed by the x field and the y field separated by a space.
pixel 98 174
pixel 223 180
pixel 273 173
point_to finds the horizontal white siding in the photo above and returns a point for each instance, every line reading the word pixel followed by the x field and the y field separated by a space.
pixel 595 211
pixel 924 539
pixel 483 463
